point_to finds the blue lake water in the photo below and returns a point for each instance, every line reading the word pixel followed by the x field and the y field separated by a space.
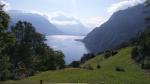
pixel 72 49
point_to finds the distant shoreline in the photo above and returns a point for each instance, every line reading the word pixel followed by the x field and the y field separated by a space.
pixel 81 40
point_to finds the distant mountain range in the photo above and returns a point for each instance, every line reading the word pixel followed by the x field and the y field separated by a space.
pixel 41 23
pixel 73 29
pixel 69 25
pixel 122 26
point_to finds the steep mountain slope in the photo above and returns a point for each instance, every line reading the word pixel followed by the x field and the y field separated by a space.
pixel 133 73
pixel 39 22
pixel 122 26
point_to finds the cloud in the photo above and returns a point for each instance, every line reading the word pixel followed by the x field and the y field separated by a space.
pixel 61 18
pixel 92 22
pixel 63 23
pixel 7 5
pixel 123 5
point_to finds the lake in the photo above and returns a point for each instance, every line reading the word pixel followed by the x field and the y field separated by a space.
pixel 68 44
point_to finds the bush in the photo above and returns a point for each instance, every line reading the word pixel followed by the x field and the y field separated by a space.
pixel 98 66
pixel 146 66
pixel 120 69
pixel 114 53
pixel 75 64
pixel 135 52
pixel 5 75
pixel 89 67
pixel 87 57
pixel 108 53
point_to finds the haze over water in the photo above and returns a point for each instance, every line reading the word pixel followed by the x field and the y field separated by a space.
pixel 72 49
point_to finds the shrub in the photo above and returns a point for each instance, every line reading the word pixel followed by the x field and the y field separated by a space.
pixel 88 67
pixel 87 57
pixel 75 64
pixel 98 66
pixel 145 66
pixel 114 53
pixel 135 52
pixel 120 69
pixel 108 53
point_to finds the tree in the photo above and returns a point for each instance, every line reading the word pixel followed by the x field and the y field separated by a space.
pixel 24 33
pixel 59 56
pixel 75 64
pixel 141 54
pixel 6 39
pixel 145 42
pixel 87 57
pixel 31 50
pixel 23 50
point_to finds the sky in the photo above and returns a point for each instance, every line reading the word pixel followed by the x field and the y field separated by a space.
pixel 91 13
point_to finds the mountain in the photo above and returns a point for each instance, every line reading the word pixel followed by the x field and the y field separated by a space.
pixel 69 25
pixel 40 22
pixel 73 29
pixel 122 26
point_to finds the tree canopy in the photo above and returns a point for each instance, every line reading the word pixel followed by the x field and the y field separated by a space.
pixel 23 50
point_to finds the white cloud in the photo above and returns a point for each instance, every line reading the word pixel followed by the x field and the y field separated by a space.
pixel 58 14
pixel 35 12
pixel 61 23
pixel 92 22
pixel 7 5
pixel 62 19
pixel 123 5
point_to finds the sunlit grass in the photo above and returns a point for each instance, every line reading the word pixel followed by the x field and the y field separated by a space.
pixel 133 73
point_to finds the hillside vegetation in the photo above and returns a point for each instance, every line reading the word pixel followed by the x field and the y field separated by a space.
pixel 133 73
pixel 122 26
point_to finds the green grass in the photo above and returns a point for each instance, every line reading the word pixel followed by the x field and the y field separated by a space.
pixel 133 73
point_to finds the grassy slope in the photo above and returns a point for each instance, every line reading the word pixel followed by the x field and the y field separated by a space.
pixel 107 73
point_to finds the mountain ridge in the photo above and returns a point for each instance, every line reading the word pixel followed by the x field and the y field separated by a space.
pixel 41 24
pixel 121 27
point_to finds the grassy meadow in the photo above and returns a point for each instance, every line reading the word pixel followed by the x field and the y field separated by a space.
pixel 133 73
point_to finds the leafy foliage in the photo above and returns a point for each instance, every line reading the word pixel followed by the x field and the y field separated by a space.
pixel 4 19
pixel 31 51
pixel 141 54
pixel 75 64
pixel 6 39
pixel 23 51
pixel 86 57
